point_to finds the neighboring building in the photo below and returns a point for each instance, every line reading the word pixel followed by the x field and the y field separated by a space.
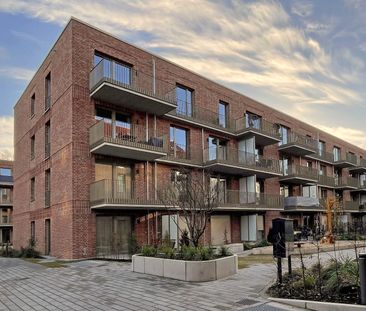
pixel 103 127
pixel 6 202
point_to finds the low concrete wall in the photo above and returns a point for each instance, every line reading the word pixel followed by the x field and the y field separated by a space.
pixel 319 306
pixel 190 271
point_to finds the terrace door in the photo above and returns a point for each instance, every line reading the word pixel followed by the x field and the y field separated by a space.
pixel 121 233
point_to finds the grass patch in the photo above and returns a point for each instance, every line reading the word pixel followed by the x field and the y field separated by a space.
pixel 247 261
pixel 47 264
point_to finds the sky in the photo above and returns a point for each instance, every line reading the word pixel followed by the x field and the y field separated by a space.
pixel 305 58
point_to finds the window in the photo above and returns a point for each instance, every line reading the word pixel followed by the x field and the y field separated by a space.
pixel 284 132
pixel 47 187
pixel 323 170
pixel 323 193
pixel 223 114
pixel 33 189
pixel 336 154
pixel 309 191
pixel 117 71
pixel 218 187
pixel 33 231
pixel 32 104
pixel 253 121
pixel 5 171
pixel 178 146
pixel 48 92
pixel 47 140
pixel 321 147
pixel 103 114
pixel 216 149
pixel 184 100
pixel 284 191
pixel 33 140
pixel 284 165
pixel 309 164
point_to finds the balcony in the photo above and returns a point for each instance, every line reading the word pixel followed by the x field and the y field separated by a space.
pixel 327 181
pixel 351 206
pixel 360 168
pixel 361 187
pixel 302 204
pixel 240 200
pixel 322 156
pixel 126 141
pixel 113 194
pixel 265 133
pixel 298 145
pixel 237 162
pixel 350 160
pixel 125 87
pixel 6 199
pixel 182 155
pixel 6 180
pixel 302 175
pixel 6 221
pixel 346 183
pixel 196 115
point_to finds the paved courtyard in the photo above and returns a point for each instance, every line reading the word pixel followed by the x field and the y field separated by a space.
pixel 106 285
pixel 100 285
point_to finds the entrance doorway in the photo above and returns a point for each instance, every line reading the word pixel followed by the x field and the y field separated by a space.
pixel 113 234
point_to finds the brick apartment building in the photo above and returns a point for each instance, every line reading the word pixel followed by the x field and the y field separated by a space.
pixel 104 126
pixel 6 202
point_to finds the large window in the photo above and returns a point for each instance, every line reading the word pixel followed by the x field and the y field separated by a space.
pixel 47 188
pixel 32 189
pixel 336 154
pixel 33 144
pixel 178 142
pixel 253 121
pixel 223 114
pixel 216 149
pixel 5 171
pixel 184 100
pixel 284 131
pixel 218 187
pixel 113 69
pixel 321 147
pixel 48 92
pixel 33 230
pixel 32 104
pixel 47 139
pixel 323 170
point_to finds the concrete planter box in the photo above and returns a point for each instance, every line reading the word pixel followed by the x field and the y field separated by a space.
pixel 190 271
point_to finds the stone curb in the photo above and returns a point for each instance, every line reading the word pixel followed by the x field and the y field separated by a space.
pixel 318 306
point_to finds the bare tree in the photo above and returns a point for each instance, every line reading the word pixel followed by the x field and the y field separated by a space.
pixel 193 197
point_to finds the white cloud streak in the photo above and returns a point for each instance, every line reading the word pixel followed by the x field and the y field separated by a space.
pixel 241 43
pixel 17 73
pixel 6 134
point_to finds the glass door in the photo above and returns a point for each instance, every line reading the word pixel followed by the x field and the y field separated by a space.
pixel 123 182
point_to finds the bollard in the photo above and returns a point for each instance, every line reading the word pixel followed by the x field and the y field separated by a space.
pixel 362 263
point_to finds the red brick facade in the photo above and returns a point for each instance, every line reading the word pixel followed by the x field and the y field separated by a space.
pixel 72 165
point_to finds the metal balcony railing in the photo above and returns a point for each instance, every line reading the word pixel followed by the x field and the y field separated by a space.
pixel 128 78
pixel 299 171
pixel 299 140
pixel 6 220
pixel 323 155
pixel 327 181
pixel 250 199
pixel 258 125
pixel 351 205
pixel 240 158
pixel 346 182
pixel 126 134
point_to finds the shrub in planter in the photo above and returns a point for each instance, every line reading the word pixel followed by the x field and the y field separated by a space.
pixel 166 252
pixel 223 251
pixel 149 251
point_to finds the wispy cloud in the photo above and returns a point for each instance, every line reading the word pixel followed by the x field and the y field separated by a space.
pixel 357 137
pixel 17 73
pixel 26 36
pixel 6 134
pixel 245 44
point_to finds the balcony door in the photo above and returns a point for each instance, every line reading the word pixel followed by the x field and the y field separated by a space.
pixel 253 121
pixel 216 149
pixel 247 189
pixel 247 151
pixel 218 186
pixel 122 185
pixel 184 100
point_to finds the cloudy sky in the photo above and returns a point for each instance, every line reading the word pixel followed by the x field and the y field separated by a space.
pixel 305 58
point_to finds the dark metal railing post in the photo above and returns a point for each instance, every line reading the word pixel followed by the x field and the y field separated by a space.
pixel 362 272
